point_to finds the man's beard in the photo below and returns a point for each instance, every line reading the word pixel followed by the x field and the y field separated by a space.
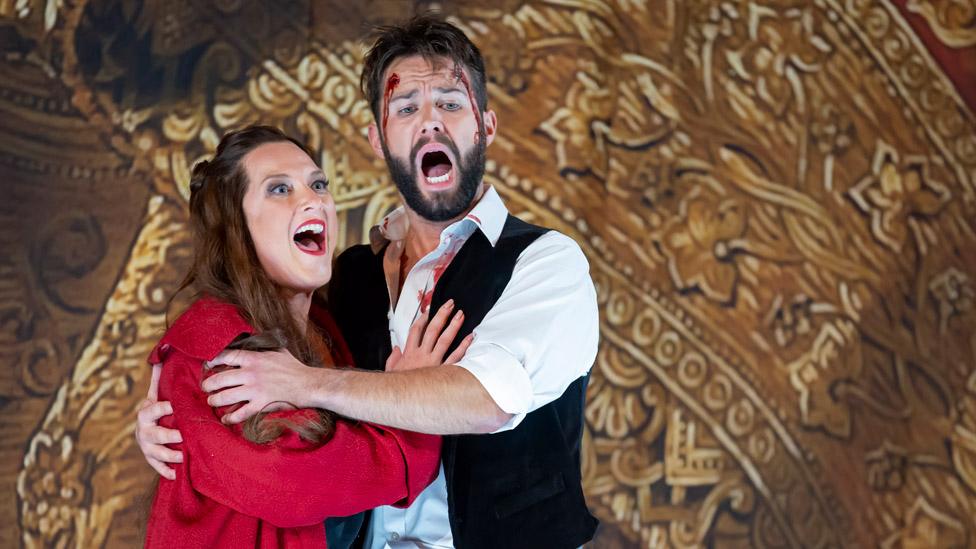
pixel 446 205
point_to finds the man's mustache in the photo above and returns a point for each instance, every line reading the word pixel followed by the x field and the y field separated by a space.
pixel 438 138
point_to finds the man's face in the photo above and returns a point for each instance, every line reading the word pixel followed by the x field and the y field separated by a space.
pixel 433 137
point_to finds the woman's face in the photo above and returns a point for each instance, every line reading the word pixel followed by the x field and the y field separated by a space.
pixel 290 215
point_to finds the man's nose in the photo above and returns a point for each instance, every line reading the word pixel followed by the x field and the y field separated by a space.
pixel 432 122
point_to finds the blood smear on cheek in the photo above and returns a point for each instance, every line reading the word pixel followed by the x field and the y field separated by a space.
pixel 474 105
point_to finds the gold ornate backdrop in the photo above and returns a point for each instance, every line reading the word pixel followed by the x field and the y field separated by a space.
pixel 777 199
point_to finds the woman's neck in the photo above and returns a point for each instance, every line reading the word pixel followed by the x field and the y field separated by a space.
pixel 299 304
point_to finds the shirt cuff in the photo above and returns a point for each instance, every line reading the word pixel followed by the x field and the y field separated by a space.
pixel 503 377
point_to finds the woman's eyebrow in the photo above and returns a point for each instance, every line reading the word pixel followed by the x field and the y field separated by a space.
pixel 276 176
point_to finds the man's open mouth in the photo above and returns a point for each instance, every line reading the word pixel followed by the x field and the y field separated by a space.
pixel 436 165
pixel 310 237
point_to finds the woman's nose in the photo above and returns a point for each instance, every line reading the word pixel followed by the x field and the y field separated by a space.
pixel 310 199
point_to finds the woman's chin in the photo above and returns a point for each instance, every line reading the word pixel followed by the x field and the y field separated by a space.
pixel 307 284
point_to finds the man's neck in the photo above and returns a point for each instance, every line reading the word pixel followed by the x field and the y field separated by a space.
pixel 423 235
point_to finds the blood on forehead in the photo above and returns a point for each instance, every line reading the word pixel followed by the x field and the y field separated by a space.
pixel 459 75
pixel 391 85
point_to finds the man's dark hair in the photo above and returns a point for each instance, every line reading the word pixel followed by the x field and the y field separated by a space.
pixel 430 37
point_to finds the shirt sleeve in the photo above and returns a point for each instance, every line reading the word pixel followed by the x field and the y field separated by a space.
pixel 289 482
pixel 543 331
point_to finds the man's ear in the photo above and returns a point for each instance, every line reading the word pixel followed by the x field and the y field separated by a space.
pixel 375 142
pixel 490 121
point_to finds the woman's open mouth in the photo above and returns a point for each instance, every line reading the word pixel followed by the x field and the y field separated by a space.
pixel 310 237
pixel 436 166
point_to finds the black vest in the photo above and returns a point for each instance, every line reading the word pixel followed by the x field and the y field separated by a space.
pixel 518 488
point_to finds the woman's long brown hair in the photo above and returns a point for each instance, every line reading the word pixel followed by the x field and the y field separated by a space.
pixel 226 266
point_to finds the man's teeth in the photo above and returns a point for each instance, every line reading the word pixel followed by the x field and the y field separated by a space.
pixel 439 179
pixel 315 228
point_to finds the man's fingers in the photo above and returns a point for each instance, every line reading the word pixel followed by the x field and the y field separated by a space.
pixel 225 379
pixel 164 470
pixel 436 325
pixel 234 357
pixel 150 413
pixel 458 353
pixel 228 397
pixel 447 336
pixel 241 414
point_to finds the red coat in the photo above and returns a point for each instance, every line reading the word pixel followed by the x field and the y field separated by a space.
pixel 230 492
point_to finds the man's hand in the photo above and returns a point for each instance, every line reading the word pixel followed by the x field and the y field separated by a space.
pixel 152 438
pixel 262 379
pixel 427 343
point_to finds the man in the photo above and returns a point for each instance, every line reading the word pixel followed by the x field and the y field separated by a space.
pixel 513 406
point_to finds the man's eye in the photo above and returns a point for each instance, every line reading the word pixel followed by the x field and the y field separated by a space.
pixel 320 185
pixel 451 106
pixel 407 110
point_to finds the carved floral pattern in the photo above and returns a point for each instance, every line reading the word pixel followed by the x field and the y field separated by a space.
pixel 745 178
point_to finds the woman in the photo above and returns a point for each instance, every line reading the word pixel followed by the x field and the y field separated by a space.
pixel 264 227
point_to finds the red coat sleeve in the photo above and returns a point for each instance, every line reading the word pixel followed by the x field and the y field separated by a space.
pixel 290 482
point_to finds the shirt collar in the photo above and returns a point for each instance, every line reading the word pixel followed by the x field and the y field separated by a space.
pixel 488 215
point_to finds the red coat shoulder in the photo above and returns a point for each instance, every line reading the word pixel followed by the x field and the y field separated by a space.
pixel 205 329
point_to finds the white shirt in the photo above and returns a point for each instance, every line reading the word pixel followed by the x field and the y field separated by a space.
pixel 539 337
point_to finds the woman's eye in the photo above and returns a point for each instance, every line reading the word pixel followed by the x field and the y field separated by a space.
pixel 320 185
pixel 451 106
pixel 407 110
pixel 279 188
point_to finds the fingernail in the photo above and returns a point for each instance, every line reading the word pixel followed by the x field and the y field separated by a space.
pixel 450 303
pixel 179 458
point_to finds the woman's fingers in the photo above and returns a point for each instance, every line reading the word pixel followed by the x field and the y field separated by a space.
pixel 436 325
pixel 458 353
pixel 157 370
pixel 151 411
pixel 161 453
pixel 415 334
pixel 164 470
pixel 393 359
pixel 446 337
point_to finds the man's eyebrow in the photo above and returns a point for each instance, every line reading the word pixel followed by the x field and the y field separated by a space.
pixel 405 95
pixel 451 89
